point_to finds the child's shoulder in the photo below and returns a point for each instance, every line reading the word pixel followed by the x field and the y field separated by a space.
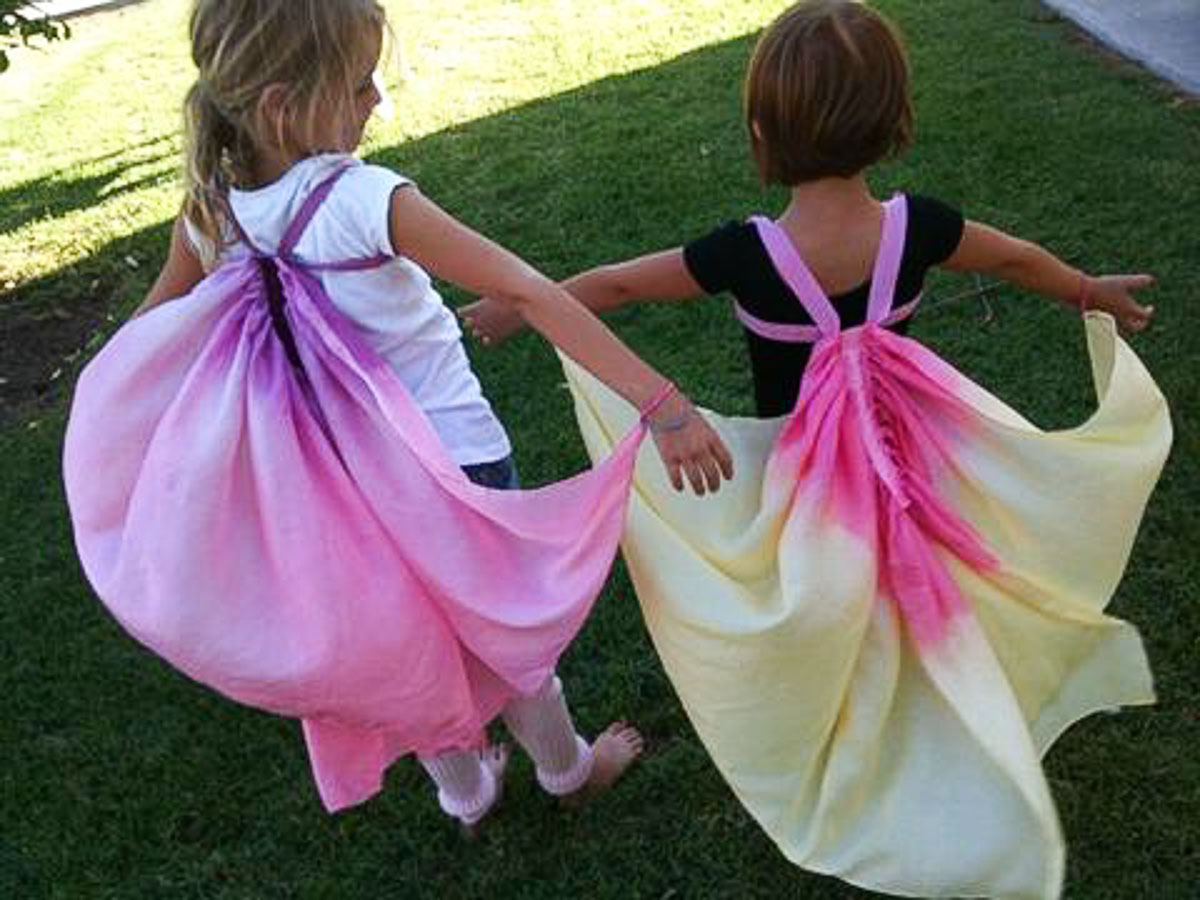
pixel 930 206
pixel 732 234
pixel 350 222
pixel 934 229
pixel 926 204
pixel 356 174
pixel 722 258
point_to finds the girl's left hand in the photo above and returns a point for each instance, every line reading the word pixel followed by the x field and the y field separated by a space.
pixel 690 447
pixel 1113 295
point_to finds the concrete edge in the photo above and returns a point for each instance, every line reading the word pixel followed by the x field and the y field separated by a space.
pixel 1098 28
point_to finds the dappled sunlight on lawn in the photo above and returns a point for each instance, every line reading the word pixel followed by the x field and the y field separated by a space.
pixel 476 57
pixel 74 114
pixel 573 132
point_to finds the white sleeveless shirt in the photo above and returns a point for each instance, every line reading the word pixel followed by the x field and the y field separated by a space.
pixel 395 306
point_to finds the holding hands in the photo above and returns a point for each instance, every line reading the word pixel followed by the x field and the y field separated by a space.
pixel 687 444
pixel 490 321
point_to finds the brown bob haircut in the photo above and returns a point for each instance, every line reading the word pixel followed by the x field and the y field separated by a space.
pixel 827 93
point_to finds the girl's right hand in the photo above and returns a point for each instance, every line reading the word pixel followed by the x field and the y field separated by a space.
pixel 689 447
pixel 491 321
pixel 1113 294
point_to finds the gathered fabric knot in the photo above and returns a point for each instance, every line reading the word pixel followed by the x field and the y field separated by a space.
pixel 876 426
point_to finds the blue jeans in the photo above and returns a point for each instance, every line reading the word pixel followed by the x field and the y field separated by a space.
pixel 501 474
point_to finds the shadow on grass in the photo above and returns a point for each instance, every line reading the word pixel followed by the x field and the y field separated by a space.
pixel 131 781
pixel 527 177
pixel 58 193
pixel 50 325
pixel 126 780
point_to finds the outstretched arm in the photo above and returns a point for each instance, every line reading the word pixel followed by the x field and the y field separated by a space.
pixel 661 276
pixel 440 243
pixel 1027 265
pixel 180 273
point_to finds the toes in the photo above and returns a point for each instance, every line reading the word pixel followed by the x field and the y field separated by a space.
pixel 632 738
pixel 625 734
pixel 620 743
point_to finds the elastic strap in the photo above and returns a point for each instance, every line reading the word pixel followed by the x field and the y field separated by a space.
pixel 349 265
pixel 792 269
pixel 886 270
pixel 312 202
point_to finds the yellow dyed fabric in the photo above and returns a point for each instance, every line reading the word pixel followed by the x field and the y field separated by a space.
pixel 905 768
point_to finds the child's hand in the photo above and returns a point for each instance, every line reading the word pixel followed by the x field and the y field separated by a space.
pixel 491 321
pixel 1113 295
pixel 690 447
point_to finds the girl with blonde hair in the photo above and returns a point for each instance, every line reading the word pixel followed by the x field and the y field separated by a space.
pixel 299 503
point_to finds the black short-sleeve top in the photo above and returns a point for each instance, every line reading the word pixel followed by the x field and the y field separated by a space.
pixel 732 258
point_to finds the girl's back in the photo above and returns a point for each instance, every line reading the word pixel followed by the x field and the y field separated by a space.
pixel 852 626
pixel 279 521
pixel 394 304
pixel 899 604
pixel 284 512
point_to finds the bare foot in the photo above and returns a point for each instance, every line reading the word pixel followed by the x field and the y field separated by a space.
pixel 615 750
pixel 495 757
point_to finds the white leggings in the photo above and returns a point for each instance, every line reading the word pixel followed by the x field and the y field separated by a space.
pixel 542 725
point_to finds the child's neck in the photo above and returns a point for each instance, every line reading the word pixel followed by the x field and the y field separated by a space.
pixel 269 166
pixel 830 198
pixel 835 224
pixel 271 163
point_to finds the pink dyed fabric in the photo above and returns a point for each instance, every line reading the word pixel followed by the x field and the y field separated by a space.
pixel 889 615
pixel 876 423
pixel 877 419
pixel 305 546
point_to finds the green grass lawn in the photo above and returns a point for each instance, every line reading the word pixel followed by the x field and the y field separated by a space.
pixel 575 133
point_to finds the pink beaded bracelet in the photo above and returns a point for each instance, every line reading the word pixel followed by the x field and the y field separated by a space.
pixel 657 400
pixel 677 423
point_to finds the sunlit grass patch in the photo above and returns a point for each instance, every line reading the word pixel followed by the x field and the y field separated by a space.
pixel 574 133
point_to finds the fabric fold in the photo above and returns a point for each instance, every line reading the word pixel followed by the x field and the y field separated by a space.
pixel 894 609
pixel 301 542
